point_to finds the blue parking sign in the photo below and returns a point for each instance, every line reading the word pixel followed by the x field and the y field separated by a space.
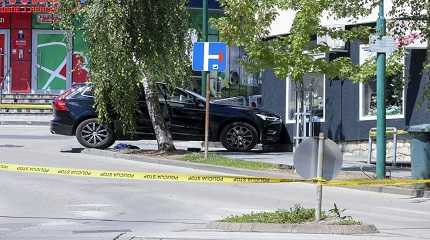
pixel 210 56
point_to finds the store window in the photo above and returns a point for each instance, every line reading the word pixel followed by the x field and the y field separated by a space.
pixel 313 91
pixel 236 84
pixel 240 82
pixel 394 94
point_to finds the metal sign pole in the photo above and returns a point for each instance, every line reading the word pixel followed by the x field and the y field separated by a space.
pixel 205 78
pixel 319 176
pixel 208 95
pixel 380 98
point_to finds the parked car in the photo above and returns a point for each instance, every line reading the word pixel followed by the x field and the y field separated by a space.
pixel 237 128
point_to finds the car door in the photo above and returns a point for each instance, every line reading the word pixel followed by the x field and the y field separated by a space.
pixel 187 116
pixel 144 128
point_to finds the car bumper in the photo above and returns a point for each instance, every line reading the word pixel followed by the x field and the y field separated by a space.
pixel 61 129
pixel 272 133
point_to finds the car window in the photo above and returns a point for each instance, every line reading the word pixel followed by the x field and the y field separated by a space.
pixel 88 92
pixel 181 96
pixel 141 95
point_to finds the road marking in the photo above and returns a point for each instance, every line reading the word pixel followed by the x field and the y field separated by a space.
pixel 25 106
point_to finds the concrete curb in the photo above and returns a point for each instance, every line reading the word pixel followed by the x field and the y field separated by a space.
pixel 283 173
pixel 395 190
pixel 311 228
pixel 192 165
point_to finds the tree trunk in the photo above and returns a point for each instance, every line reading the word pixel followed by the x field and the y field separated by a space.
pixel 162 132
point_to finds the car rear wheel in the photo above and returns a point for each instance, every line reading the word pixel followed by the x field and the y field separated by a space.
pixel 239 137
pixel 93 134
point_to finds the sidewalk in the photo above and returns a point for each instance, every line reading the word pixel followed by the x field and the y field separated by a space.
pixel 352 167
pixel 284 159
pixel 25 119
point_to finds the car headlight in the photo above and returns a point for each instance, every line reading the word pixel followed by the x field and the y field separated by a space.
pixel 268 118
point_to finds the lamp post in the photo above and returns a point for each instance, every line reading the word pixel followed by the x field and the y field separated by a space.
pixel 380 97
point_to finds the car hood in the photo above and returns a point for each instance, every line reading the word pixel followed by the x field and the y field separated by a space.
pixel 244 109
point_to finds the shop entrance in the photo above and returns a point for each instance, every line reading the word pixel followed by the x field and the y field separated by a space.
pixel 4 61
pixel 52 61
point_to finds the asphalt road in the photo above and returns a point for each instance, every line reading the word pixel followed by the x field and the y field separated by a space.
pixel 36 206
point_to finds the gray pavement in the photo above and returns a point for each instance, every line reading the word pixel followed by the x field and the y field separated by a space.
pixel 36 206
pixel 25 119
pixel 350 163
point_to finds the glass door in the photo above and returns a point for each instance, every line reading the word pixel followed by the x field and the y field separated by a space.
pixel 52 61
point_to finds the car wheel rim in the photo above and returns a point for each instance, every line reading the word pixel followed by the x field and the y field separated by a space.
pixel 94 133
pixel 240 137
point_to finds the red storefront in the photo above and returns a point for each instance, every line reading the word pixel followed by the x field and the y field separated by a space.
pixel 34 56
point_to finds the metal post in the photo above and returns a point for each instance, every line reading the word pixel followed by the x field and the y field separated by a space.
pixel 395 148
pixel 205 39
pixel 380 98
pixel 205 79
pixel 208 96
pixel 369 150
pixel 319 176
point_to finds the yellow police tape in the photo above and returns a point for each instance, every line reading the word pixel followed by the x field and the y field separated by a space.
pixel 174 177
pixel 141 175
pixel 25 106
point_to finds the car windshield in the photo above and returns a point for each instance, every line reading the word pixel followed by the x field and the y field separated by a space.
pixel 196 95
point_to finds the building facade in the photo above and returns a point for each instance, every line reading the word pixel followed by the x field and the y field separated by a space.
pixel 346 111
pixel 37 58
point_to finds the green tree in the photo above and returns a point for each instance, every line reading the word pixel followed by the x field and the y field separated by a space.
pixel 246 24
pixel 133 43
pixel 411 20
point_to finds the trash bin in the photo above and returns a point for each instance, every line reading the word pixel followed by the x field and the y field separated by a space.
pixel 420 151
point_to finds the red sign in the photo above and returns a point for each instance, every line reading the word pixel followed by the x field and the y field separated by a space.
pixel 12 6
pixel 4 21
pixel 13 3
pixel 48 18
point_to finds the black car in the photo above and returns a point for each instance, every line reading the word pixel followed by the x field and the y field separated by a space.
pixel 237 128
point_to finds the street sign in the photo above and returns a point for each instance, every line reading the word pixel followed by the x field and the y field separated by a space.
pixel 306 159
pixel 386 44
pixel 210 56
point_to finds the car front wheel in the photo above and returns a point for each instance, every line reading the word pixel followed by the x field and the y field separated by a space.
pixel 239 137
pixel 93 134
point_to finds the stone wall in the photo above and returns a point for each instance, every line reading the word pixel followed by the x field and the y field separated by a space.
pixel 360 149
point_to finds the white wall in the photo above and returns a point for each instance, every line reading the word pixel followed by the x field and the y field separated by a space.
pixel 282 24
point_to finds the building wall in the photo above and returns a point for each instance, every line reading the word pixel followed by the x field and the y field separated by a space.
pixel 213 4
pixel 342 101
pixel 41 60
pixel 417 107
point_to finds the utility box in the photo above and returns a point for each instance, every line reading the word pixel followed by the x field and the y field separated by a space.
pixel 420 151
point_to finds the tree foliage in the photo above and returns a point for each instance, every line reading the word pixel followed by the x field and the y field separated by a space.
pixel 130 41
pixel 247 22
pixel 412 18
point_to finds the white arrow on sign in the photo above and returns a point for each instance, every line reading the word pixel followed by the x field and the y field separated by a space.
pixel 208 56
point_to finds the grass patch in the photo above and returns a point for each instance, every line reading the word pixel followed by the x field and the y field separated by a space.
pixel 219 160
pixel 340 219
pixel 294 215
pixel 348 221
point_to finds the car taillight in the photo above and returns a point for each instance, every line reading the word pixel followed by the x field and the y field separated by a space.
pixel 60 101
pixel 60 104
